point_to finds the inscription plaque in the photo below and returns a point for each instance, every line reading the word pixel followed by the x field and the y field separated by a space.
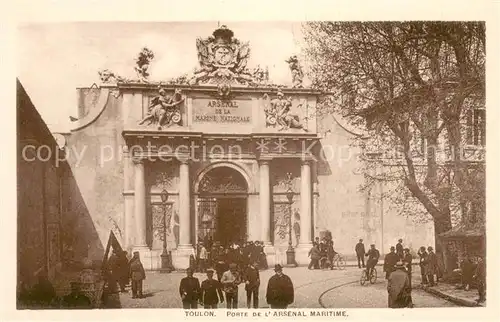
pixel 218 111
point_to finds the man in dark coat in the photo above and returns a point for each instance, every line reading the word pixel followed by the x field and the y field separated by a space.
pixel 389 261
pixel 137 275
pixel 252 283
pixel 422 253
pixel 372 260
pixel 360 253
pixel 280 291
pixel 189 290
pixel 480 276
pixel 211 291
pixel 315 255
pixel 76 299
pixel 399 248
pixel 468 269
pixel 398 288
pixel 407 259
pixel 432 267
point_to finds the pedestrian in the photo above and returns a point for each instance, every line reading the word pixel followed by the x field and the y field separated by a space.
pixel 331 254
pixel 262 255
pixel 467 272
pixel 280 292
pixel 76 299
pixel 432 266
pixel 252 283
pixel 221 266
pixel 423 262
pixel 399 249
pixel 113 267
pixel 480 276
pixel 315 255
pixel 203 256
pixel 360 253
pixel 230 281
pixel 189 290
pixel 137 275
pixel 373 256
pixel 211 291
pixel 124 270
pixel 398 288
pixel 407 259
pixel 389 261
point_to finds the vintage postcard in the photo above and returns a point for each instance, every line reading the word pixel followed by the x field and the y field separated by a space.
pixel 292 169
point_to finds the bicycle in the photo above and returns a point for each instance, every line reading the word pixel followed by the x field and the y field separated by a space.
pixel 373 277
pixel 339 261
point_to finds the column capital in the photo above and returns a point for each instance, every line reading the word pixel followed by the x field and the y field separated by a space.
pixel 264 160
pixel 138 160
pixel 183 160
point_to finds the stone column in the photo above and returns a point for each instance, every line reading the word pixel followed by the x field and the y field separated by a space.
pixel 265 201
pixel 305 243
pixel 184 209
pixel 185 248
pixel 305 203
pixel 140 205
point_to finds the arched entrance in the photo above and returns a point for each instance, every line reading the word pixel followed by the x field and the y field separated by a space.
pixel 222 206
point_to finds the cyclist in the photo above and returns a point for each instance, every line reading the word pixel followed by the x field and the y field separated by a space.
pixel 373 256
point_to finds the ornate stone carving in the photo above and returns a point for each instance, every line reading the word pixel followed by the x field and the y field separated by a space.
pixel 108 77
pixel 222 59
pixel 260 75
pixel 296 70
pixel 164 109
pixel 278 113
pixel 142 62
pixel 220 180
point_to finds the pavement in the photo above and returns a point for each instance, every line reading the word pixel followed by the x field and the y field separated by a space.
pixel 313 289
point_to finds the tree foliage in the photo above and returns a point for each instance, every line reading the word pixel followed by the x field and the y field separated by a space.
pixel 409 84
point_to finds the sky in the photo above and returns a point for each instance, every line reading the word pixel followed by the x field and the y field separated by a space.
pixel 56 58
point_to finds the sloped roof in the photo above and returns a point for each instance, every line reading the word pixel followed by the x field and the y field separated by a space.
pixel 462 231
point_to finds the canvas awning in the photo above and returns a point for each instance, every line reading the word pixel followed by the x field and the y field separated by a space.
pixel 462 231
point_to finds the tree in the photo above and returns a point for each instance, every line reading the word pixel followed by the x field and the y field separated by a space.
pixel 409 84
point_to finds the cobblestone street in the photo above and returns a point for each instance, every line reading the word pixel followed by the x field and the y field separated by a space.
pixel 312 290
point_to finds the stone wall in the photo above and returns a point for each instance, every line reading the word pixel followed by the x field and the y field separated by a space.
pixel 351 213
pixel 96 181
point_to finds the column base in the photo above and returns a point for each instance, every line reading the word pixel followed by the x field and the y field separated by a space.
pixel 181 255
pixel 302 254
pixel 270 252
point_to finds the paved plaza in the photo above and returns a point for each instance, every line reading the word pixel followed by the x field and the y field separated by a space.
pixel 313 289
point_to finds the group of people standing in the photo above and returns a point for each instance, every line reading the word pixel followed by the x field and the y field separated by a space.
pixel 211 292
pixel 120 271
pixel 209 254
pixel 322 254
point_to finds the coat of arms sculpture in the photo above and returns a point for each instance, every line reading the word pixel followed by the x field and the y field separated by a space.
pixel 222 59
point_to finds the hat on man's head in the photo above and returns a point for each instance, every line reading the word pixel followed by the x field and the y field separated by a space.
pixel 233 266
pixel 430 248
pixel 393 248
pixel 278 268
pixel 400 240
pixel 373 245
pixel 210 271
pixel 136 253
pixel 360 240
pixel 406 249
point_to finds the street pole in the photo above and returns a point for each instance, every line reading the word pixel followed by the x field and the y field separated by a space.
pixel 290 252
pixel 166 263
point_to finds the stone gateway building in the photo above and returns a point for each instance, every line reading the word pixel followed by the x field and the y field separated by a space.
pixel 224 156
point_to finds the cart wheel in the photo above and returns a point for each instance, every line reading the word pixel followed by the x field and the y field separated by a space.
pixel 341 263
